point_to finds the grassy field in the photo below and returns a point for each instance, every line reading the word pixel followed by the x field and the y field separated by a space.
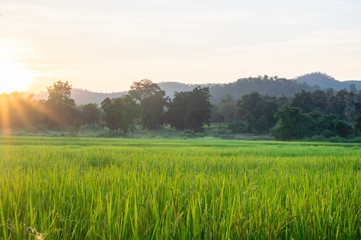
pixel 214 131
pixel 72 188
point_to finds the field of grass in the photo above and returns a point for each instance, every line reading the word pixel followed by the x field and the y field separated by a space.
pixel 215 131
pixel 72 188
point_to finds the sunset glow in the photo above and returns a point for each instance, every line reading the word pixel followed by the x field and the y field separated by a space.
pixel 14 77
pixel 105 47
pixel 15 73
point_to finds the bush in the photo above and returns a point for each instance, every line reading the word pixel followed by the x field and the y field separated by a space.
pixel 237 127
pixel 317 138
pixel 200 135
pixel 328 133
pixel 343 129
pixel 188 133
pixel 226 136
pixel 336 139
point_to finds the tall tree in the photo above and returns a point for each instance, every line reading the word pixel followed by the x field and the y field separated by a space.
pixel 293 124
pixel 337 103
pixel 59 94
pixel 257 112
pixel 227 109
pixel 304 101
pixel 90 114
pixel 190 110
pixel 61 108
pixel 198 110
pixel 152 100
pixel 120 113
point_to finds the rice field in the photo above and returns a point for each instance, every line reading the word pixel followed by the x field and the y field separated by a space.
pixel 72 188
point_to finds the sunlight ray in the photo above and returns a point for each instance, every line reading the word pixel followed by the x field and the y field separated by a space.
pixel 19 109
pixel 4 114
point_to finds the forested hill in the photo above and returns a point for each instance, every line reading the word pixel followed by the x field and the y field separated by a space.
pixel 324 81
pixel 171 87
pixel 265 85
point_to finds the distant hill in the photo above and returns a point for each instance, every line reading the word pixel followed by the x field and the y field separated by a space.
pixel 265 85
pixel 82 96
pixel 171 87
pixel 325 81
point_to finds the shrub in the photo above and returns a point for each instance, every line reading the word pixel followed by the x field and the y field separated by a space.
pixel 237 127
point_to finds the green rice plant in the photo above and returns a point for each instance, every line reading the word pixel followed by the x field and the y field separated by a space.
pixel 73 188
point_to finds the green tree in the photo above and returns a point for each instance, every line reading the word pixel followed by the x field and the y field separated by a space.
pixel 190 110
pixel 293 124
pixel 227 111
pixel 120 113
pixel 90 114
pixel 357 121
pixel 337 103
pixel 152 100
pixel 60 107
pixel 303 100
pixel 257 112
pixel 59 94
pixel 198 111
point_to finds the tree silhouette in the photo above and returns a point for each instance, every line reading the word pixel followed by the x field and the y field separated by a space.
pixel 152 102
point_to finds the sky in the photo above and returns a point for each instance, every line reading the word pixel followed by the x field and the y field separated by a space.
pixel 105 45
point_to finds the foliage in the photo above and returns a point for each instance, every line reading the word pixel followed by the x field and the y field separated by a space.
pixel 310 101
pixel 336 113
pixel 294 124
pixel 18 110
pixel 61 111
pixel 59 94
pixel 237 127
pixel 143 89
pixel 227 111
pixel 152 102
pixel 257 112
pixel 90 114
pixel 153 110
pixel 189 110
pixel 358 121
pixel 120 113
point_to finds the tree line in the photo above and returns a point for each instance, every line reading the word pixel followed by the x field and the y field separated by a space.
pixel 146 104
pixel 325 114
pixel 320 113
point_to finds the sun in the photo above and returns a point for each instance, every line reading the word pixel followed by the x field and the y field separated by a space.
pixel 14 77
pixel 15 74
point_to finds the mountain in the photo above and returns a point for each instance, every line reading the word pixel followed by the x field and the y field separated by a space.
pixel 325 81
pixel 272 86
pixel 171 87
pixel 82 96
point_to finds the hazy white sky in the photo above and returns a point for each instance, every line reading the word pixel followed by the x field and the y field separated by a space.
pixel 106 45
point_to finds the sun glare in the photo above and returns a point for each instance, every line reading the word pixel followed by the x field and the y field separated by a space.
pixel 14 77
pixel 14 74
